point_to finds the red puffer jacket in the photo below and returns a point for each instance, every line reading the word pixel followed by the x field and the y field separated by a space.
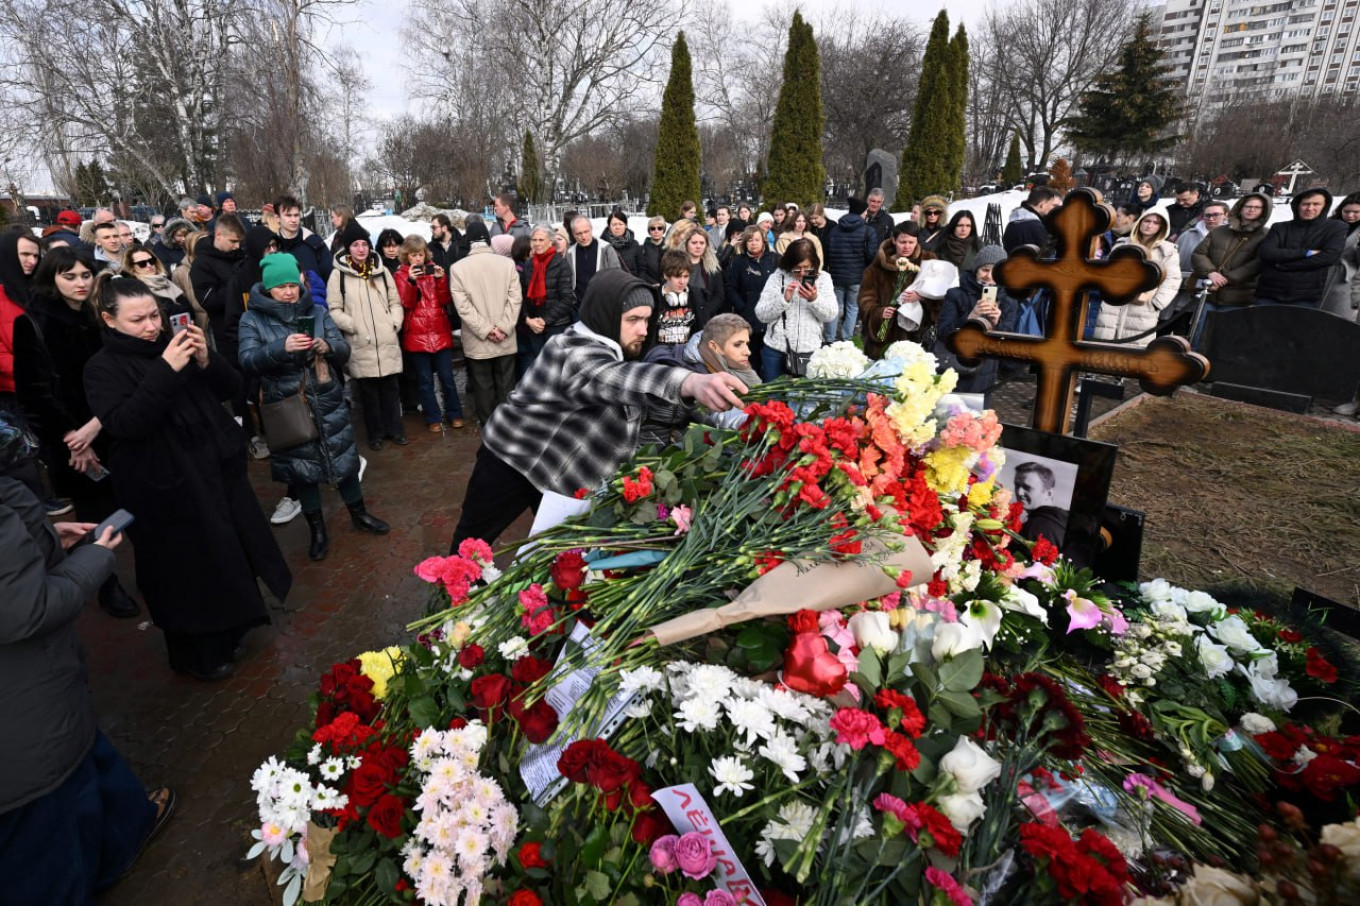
pixel 9 311
pixel 427 327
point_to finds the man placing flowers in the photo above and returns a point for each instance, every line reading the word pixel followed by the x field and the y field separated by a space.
pixel 575 415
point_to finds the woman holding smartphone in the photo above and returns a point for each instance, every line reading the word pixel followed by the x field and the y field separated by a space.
pixel 796 301
pixel 295 349
pixel 179 466
pixel 53 344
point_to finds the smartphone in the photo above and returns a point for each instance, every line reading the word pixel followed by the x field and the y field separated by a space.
pixel 120 520
pixel 180 323
pixel 96 471
pixel 306 324
pixel 989 294
pixel 809 280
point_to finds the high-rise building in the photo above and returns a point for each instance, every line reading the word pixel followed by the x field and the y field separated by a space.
pixel 1228 50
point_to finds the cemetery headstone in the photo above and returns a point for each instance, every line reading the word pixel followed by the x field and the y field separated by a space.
pixel 880 172
pixel 1285 349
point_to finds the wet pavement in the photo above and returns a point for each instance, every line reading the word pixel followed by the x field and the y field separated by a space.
pixel 206 740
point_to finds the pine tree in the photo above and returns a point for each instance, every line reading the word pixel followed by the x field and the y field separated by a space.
pixel 925 159
pixel 531 172
pixel 1014 171
pixel 1129 111
pixel 676 174
pixel 1060 176
pixel 958 125
pixel 795 165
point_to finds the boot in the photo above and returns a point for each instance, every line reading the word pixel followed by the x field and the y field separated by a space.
pixel 116 601
pixel 364 522
pixel 321 545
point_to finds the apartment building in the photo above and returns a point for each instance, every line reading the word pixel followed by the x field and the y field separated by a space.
pixel 1223 50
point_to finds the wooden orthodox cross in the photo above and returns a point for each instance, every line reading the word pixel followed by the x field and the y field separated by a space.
pixel 1165 364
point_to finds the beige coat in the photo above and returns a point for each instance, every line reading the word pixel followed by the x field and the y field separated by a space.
pixel 486 292
pixel 368 312
pixel 1114 322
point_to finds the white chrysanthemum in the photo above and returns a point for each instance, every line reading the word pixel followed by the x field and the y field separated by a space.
pixel 638 709
pixel 784 704
pixel 909 353
pixel 267 774
pixel 513 648
pixel 314 756
pixel 747 688
pixel 842 359
pixel 751 718
pixel 782 752
pixel 710 681
pixel 1255 724
pixel 643 680
pixel 698 714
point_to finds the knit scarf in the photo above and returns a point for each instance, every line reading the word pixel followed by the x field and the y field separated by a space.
pixel 957 249
pixel 538 283
pixel 160 285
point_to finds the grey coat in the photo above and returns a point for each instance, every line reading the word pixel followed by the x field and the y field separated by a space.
pixel 44 696
pixel 264 328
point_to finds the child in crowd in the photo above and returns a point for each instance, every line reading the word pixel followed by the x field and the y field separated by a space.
pixel 673 321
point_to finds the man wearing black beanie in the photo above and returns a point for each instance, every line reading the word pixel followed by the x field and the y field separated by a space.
pixel 575 415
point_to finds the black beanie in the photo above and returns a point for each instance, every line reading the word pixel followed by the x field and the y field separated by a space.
pixel 257 237
pixel 857 206
pixel 352 233
pixel 610 294
pixel 476 232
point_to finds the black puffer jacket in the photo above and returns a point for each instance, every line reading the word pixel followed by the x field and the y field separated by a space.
pixel 266 325
pixel 211 274
pixel 1288 272
pixel 746 278
pixel 630 253
pixel 850 248
pixel 958 303
pixel 649 257
pixel 559 306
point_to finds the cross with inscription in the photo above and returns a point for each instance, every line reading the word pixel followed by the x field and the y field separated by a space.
pixel 1165 364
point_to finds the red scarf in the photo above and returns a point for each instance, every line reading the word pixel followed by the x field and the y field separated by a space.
pixel 538 283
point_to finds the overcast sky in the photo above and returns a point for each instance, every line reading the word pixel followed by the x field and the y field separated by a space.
pixel 376 33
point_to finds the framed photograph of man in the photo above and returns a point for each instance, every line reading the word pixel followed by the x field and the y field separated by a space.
pixel 1062 482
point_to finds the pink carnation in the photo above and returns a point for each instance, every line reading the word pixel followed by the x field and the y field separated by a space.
pixel 475 549
pixel 856 728
pixel 945 882
pixel 886 802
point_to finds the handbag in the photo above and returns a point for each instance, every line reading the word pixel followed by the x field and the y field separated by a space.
pixel 795 363
pixel 288 422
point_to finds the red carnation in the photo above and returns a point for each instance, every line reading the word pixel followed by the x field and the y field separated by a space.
pixel 385 816
pixel 903 752
pixel 912 721
pixel 609 771
pixel 942 834
pixel 1319 668
pixel 568 570
pixel 1044 551
pixel 471 657
pixel 531 856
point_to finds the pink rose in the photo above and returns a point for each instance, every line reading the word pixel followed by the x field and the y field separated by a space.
pixel 694 855
pixel 663 854
pixel 689 899
pixel 720 898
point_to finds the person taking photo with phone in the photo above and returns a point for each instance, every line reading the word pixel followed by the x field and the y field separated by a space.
pixel 976 298
pixel 296 350
pixel 179 465
pixel 797 300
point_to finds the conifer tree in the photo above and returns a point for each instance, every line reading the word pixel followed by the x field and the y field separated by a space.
pixel 795 165
pixel 958 124
pixel 1013 172
pixel 531 171
pixel 924 160
pixel 1130 110
pixel 676 169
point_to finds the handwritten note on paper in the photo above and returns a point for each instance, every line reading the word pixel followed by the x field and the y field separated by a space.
pixel 538 767
pixel 688 811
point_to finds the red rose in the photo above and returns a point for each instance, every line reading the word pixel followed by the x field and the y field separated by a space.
pixel 647 827
pixel 531 856
pixel 385 816
pixel 369 782
pixel 568 570
pixel 471 657
pixel 610 771
pixel 640 796
pixel 528 670
pixel 803 621
pixel 490 691
pixel 577 758
pixel 538 722
pixel 524 898
pixel 457 723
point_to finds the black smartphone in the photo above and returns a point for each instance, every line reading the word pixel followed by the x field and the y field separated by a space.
pixel 809 280
pixel 306 324
pixel 119 520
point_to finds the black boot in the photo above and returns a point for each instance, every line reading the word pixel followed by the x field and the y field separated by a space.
pixel 364 522
pixel 115 599
pixel 321 545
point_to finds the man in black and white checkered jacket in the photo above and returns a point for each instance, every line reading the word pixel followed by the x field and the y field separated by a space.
pixel 575 415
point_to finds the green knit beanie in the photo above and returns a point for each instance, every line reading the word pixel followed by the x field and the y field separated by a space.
pixel 278 269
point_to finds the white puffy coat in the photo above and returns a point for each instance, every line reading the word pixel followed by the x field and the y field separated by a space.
pixel 804 319
pixel 1115 322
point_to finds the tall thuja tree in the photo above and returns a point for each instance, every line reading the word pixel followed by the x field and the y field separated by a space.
pixel 1013 172
pixel 1129 112
pixel 925 159
pixel 531 171
pixel 795 165
pixel 676 174
pixel 958 122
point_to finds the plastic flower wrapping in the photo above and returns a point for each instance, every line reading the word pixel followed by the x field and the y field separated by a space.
pixel 811 660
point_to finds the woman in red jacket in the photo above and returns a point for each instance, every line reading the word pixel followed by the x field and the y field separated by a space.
pixel 426 333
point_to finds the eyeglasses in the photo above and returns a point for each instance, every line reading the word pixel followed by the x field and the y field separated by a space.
pixel 656 229
pixel 157 226
pixel 144 262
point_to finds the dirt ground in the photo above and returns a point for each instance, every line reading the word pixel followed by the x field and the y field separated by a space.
pixel 1237 494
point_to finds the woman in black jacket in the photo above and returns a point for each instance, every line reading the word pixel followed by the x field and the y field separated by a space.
pixel 746 276
pixel 53 343
pixel 179 466
pixel 73 816
pixel 653 247
pixel 617 234
pixel 549 297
